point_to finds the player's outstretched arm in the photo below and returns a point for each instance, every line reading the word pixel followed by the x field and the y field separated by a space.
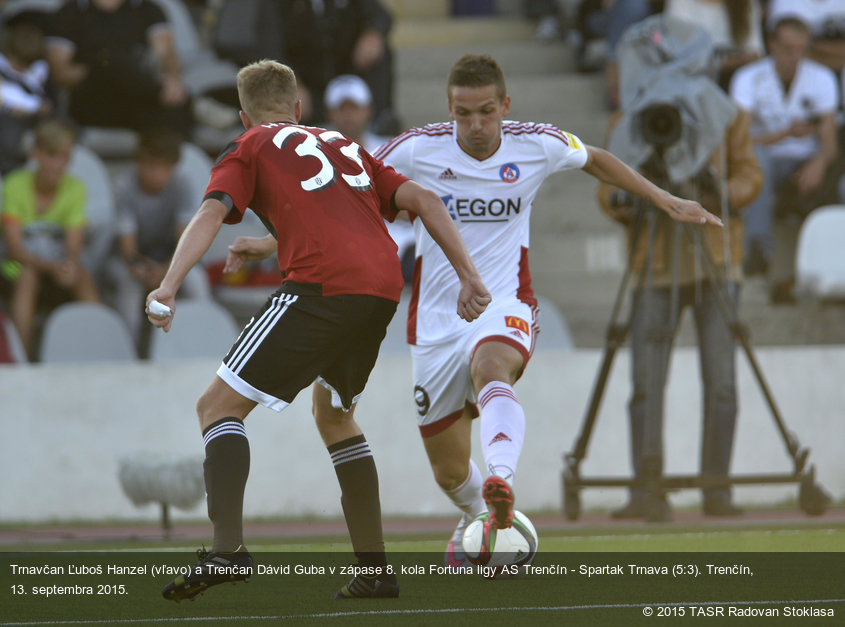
pixel 195 240
pixel 248 248
pixel 611 170
pixel 473 297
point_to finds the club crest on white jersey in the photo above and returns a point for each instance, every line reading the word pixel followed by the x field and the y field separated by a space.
pixel 490 201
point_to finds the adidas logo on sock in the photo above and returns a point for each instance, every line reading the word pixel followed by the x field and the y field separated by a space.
pixel 448 175
pixel 500 437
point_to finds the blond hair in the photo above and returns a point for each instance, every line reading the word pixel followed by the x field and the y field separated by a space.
pixel 54 135
pixel 267 89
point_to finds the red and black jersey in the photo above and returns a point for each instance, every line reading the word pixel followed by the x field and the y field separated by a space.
pixel 324 197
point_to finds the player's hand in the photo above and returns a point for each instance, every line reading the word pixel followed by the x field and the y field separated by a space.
pixel 165 298
pixel 473 298
pixel 684 210
pixel 248 248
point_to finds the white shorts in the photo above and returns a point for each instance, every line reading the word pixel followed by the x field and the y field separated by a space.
pixel 442 382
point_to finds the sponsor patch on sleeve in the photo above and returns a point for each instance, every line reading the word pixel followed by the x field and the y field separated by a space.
pixel 573 141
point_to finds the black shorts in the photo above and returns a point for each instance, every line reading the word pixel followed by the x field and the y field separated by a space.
pixel 300 336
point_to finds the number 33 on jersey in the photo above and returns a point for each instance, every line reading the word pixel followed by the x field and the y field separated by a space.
pixel 308 184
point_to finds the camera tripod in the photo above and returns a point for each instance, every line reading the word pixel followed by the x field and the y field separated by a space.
pixel 813 499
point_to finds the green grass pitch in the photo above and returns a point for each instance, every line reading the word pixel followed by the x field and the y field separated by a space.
pixel 609 576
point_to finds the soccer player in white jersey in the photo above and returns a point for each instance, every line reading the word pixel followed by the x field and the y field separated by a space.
pixel 487 170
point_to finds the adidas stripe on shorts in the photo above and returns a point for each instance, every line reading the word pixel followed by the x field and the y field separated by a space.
pixel 300 336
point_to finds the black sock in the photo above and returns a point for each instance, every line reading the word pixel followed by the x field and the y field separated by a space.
pixel 358 479
pixel 226 470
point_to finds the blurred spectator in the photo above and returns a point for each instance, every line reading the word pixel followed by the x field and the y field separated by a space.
pixel 154 205
pixel 735 26
pixel 324 38
pixel 349 109
pixel 792 101
pixel 547 16
pixel 608 19
pixel 826 20
pixel 43 217
pixel 23 85
pixel 119 63
pixel 319 39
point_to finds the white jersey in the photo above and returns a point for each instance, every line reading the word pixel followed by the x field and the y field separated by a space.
pixel 490 202
pixel 756 88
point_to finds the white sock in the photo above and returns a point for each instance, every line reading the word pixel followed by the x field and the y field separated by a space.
pixel 467 496
pixel 502 429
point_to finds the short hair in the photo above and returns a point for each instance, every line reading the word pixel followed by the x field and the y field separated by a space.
pixel 266 88
pixel 788 21
pixel 53 135
pixel 162 144
pixel 477 70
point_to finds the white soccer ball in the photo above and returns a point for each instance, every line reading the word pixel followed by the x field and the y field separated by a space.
pixel 485 545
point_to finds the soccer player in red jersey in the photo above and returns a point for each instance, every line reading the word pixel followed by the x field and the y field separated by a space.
pixel 323 198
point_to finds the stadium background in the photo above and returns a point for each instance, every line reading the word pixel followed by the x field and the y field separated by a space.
pixel 66 428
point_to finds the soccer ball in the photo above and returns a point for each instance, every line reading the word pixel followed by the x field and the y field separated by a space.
pixel 486 546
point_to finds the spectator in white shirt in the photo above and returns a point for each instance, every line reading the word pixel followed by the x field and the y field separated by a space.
pixel 792 101
pixel 23 86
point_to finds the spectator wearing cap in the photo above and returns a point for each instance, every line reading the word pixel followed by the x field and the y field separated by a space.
pixel 325 38
pixel 349 108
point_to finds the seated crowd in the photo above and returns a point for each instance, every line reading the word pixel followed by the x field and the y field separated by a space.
pixel 115 63
pixel 782 62
pixel 72 68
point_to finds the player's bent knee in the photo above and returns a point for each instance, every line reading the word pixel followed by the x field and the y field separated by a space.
pixel 333 423
pixel 487 369
pixel 450 475
pixel 203 407
pixel 331 418
pixel 221 401
pixel 495 361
